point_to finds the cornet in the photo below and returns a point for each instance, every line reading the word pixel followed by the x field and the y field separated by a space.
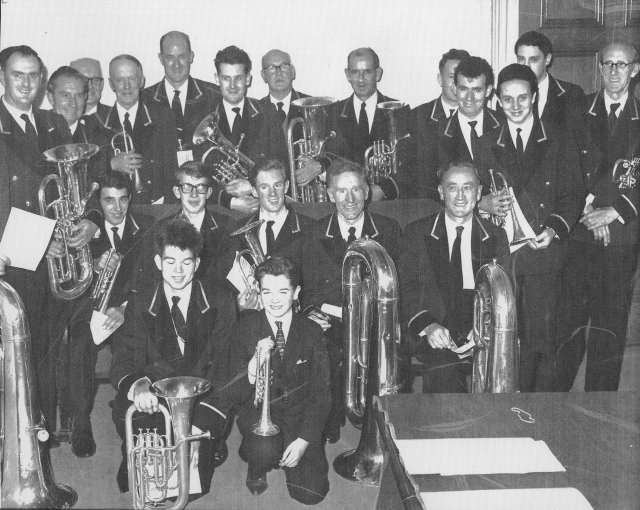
pixel 124 140
pixel 519 235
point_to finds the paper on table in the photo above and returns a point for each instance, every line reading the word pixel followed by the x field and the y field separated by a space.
pixel 475 456
pixel 26 237
pixel 507 499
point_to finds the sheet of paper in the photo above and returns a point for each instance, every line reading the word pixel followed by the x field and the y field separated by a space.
pixel 476 456
pixel 507 499
pixel 26 237
pixel 184 156
pixel 526 228
pixel 333 310
pixel 98 332
pixel 236 274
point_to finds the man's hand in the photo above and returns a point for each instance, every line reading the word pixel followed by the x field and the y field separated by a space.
pixel 438 336
pixel 376 193
pixel 599 217
pixel 239 188
pixel 245 205
pixel 115 317
pixel 143 399
pixel 127 162
pixel 4 263
pixel 602 234
pixel 55 249
pixel 309 170
pixel 82 233
pixel 497 204
pixel 264 345
pixel 293 453
pixel 248 299
pixel 543 239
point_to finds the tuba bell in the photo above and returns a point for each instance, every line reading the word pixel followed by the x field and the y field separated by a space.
pixel 153 458
pixel 310 146
pixel 381 158
pixel 122 142
pixel 26 479
pixel 496 358
pixel 519 235
pixel 372 333
pixel 71 274
pixel 226 161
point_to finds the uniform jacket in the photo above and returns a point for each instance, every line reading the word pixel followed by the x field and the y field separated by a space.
pixel 565 104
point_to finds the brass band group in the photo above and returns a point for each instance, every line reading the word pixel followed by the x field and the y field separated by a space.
pixel 544 185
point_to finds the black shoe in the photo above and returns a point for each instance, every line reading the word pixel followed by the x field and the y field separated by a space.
pixel 53 442
pixel 82 443
pixel 256 481
pixel 220 454
pixel 123 477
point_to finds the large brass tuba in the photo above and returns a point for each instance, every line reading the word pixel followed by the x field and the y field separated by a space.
pixel 152 458
pixel 310 146
pixel 224 158
pixel 372 332
pixel 519 235
pixel 71 274
pixel 26 476
pixel 497 352
pixel 381 158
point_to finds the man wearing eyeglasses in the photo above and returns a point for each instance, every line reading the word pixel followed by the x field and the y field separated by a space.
pixel 602 254
pixel 90 68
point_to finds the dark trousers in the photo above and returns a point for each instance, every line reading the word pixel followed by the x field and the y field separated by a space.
pixel 308 482
pixel 597 285
pixel 83 356
pixel 335 349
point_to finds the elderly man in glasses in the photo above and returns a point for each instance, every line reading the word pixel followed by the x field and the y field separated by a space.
pixel 90 68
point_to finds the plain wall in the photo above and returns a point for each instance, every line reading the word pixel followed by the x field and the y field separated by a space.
pixel 409 36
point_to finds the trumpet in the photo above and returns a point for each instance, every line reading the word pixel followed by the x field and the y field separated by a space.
pixel 519 235
pixel 124 140
pixel 225 159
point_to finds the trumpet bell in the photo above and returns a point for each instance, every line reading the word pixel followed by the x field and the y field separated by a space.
pixel 205 130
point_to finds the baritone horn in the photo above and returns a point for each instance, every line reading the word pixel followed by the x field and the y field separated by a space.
pixel 71 274
pixel 122 142
pixel 372 333
pixel 154 458
pixel 381 158
pixel 253 254
pixel 310 146
pixel 496 358
pixel 226 161
pixel 519 235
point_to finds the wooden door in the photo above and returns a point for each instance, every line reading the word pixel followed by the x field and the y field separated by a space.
pixel 578 29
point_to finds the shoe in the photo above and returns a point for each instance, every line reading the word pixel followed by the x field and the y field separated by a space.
pixel 256 481
pixel 220 454
pixel 123 477
pixel 53 442
pixel 82 443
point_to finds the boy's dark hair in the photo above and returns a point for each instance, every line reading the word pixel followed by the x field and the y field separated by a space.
pixel 517 72
pixel 67 72
pixel 340 166
pixel 25 51
pixel 266 165
pixel 474 67
pixel 533 38
pixel 452 54
pixel 233 55
pixel 193 169
pixel 116 180
pixel 180 233
pixel 277 266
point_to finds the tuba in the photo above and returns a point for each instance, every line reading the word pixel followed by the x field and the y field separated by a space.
pixel 224 158
pixel 626 173
pixel 152 458
pixel 26 476
pixel 381 158
pixel 122 142
pixel 71 274
pixel 254 251
pixel 310 146
pixel 496 359
pixel 372 333
pixel 519 235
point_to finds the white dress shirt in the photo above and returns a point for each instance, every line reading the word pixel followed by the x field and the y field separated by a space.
pixel 286 102
pixel 370 106
pixel 231 115
pixel 15 113
pixel 447 108
pixel 466 257
pixel 91 111
pixel 543 93
pixel 286 323
pixel 133 111
pixel 183 304
pixel 608 101
pixel 466 128
pixel 526 128
pixel 344 226
pixel 278 218
pixel 108 226
pixel 170 89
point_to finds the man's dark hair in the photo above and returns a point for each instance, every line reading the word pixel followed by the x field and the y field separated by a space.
pixel 233 55
pixel 340 166
pixel 276 266
pixel 25 51
pixel 456 163
pixel 174 33
pixel 67 72
pixel 474 67
pixel 193 169
pixel 116 180
pixel 517 72
pixel 533 38
pixel 452 54
pixel 266 166
pixel 180 233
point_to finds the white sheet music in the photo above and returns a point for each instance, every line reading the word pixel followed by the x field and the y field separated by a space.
pixel 26 238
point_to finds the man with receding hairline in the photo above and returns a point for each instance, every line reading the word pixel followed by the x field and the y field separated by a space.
pixel 90 68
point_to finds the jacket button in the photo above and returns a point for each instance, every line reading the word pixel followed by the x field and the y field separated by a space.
pixel 584 151
pixel 27 203
pixel 542 206
pixel 547 183
pixel 148 182
pixel 14 178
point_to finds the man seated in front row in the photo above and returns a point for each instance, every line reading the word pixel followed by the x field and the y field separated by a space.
pixel 439 258
pixel 173 326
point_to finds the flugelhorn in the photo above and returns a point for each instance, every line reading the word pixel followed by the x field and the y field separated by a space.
pixel 224 158
pixel 519 235
pixel 122 142
pixel 314 137
pixel 626 173
pixel 381 158
pixel 71 274
pixel 153 458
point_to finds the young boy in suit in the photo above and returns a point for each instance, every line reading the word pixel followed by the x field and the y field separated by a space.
pixel 299 384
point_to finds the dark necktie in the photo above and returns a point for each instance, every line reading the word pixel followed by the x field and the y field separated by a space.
pixel 117 241
pixel 281 113
pixel 352 235
pixel 178 320
pixel 474 139
pixel 451 112
pixel 280 339
pixel 363 123
pixel 456 261
pixel 235 129
pixel 29 130
pixel 176 107
pixel 612 119
pixel 270 237
pixel 519 144
pixel 127 125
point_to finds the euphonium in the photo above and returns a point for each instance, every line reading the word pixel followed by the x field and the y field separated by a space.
pixel 71 274
pixel 26 476
pixel 519 235
pixel 496 355
pixel 381 158
pixel 310 146
pixel 253 252
pixel 224 158
pixel 152 458
pixel 372 333
pixel 626 173
pixel 122 142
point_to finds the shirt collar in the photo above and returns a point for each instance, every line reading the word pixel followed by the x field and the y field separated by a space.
pixel 15 113
pixel 286 323
pixel 286 102
pixel 451 225
pixel 195 219
pixel 278 217
pixel 371 100
pixel 73 127
pixel 608 101
pixel 344 226
pixel 91 110
pixel 182 88
pixel 228 109
pixel 446 107
pixel 183 294
pixel 133 111
pixel 526 127
pixel 543 93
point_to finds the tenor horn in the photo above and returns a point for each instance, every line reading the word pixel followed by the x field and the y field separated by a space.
pixel 519 235
pixel 69 275
pixel 310 146
pixel 26 479
pixel 372 333
pixel 122 142
pixel 496 358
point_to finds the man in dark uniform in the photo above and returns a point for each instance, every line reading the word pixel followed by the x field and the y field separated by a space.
pixel 603 249
pixel 438 260
pixel 90 68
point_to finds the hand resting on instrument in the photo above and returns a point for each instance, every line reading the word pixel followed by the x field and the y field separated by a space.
pixel 266 344
pixel 293 453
